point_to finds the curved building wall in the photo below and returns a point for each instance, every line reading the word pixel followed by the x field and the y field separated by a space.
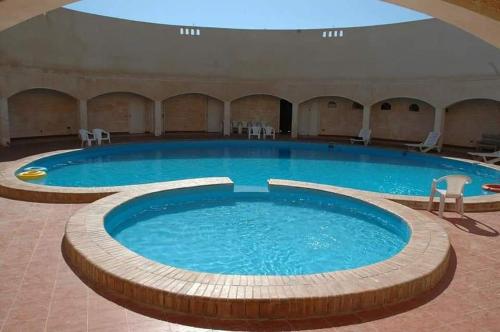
pixel 479 17
pixel 87 56
pixel 65 39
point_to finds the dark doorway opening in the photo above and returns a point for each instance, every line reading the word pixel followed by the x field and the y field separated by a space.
pixel 285 117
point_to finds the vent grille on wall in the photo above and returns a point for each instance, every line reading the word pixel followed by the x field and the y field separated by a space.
pixel 189 31
pixel 333 34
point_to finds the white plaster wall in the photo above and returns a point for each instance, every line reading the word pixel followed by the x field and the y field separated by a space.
pixel 479 17
pixel 66 39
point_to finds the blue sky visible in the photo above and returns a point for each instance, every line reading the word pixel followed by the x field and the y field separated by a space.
pixel 253 14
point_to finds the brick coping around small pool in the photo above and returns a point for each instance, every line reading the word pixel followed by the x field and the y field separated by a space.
pixel 14 188
pixel 112 269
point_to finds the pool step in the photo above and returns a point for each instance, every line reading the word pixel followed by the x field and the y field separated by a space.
pixel 252 189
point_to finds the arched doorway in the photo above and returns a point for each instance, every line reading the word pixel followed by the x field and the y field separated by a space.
pixel 267 109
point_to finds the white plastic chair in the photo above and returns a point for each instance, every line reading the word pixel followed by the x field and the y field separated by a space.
pixel 254 131
pixel 243 126
pixel 101 135
pixel 235 126
pixel 86 137
pixel 485 155
pixel 430 143
pixel 364 137
pixel 454 189
pixel 269 131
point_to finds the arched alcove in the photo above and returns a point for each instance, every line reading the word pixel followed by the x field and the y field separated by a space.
pixel 466 121
pixel 407 119
pixel 330 115
pixel 121 112
pixel 42 112
pixel 193 112
pixel 268 109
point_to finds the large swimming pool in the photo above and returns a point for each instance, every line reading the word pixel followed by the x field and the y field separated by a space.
pixel 282 232
pixel 251 163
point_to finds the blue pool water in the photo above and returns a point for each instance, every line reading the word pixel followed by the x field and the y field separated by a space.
pixel 252 163
pixel 282 232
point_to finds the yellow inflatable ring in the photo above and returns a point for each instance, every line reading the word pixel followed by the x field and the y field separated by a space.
pixel 31 174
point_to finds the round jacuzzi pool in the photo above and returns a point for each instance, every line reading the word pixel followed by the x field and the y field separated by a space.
pixel 197 247
pixel 281 232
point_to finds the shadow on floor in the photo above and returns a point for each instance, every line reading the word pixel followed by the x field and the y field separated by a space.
pixel 472 226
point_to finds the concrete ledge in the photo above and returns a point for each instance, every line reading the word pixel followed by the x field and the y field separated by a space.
pixel 108 266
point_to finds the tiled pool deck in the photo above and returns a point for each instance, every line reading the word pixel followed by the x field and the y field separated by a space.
pixel 38 291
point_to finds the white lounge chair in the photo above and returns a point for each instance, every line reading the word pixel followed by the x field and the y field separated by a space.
pixel 485 155
pixel 430 143
pixel 364 137
pixel 101 135
pixel 86 137
pixel 454 189
pixel 269 131
pixel 254 131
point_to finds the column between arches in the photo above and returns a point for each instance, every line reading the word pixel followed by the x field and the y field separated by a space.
pixel 4 122
pixel 83 113
pixel 227 118
pixel 158 118
pixel 295 120
pixel 366 117
pixel 439 118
